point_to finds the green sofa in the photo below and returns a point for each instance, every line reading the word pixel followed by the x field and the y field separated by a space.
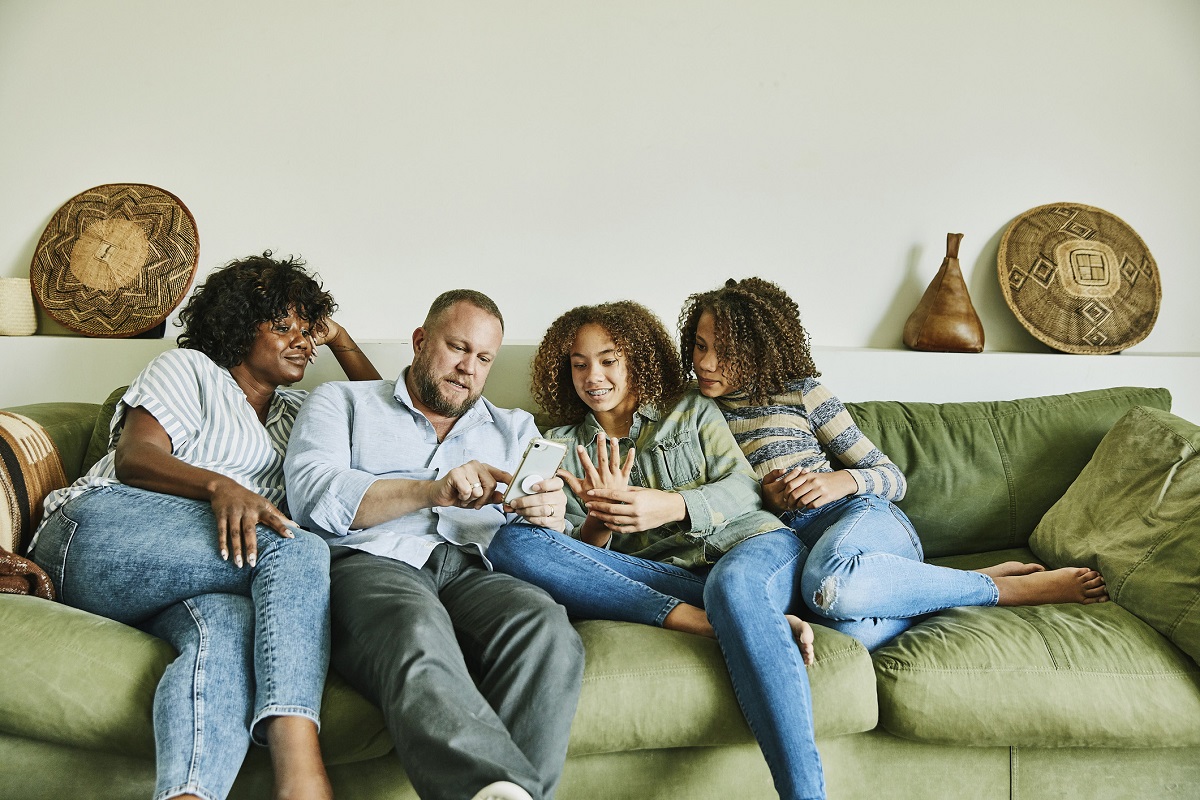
pixel 1047 702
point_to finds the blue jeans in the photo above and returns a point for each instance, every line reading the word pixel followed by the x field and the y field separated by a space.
pixel 866 575
pixel 745 594
pixel 253 642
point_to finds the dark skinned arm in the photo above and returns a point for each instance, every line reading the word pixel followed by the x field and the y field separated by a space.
pixel 144 460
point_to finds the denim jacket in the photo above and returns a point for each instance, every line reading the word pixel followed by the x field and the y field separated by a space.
pixel 688 450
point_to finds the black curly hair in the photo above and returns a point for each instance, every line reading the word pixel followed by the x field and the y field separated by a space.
pixel 222 316
pixel 760 342
pixel 654 373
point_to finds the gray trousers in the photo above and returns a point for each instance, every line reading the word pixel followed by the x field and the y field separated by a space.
pixel 477 673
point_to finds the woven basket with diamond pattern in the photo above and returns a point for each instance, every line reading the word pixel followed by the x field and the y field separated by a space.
pixel 1079 279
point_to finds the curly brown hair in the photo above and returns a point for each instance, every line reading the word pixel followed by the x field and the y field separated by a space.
pixel 649 352
pixel 761 344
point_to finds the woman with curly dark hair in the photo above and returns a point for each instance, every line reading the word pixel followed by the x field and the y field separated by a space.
pixel 180 531
pixel 668 526
pixel 865 573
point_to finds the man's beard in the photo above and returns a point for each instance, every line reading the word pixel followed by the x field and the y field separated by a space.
pixel 429 391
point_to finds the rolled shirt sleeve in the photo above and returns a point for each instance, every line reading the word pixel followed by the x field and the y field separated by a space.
pixel 324 490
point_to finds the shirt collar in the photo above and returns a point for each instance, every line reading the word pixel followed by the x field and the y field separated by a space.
pixel 275 411
pixel 642 414
pixel 474 415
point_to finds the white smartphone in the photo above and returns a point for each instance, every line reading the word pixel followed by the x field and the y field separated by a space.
pixel 540 462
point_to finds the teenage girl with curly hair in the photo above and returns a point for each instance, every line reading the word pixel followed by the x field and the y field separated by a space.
pixel 865 573
pixel 181 530
pixel 668 526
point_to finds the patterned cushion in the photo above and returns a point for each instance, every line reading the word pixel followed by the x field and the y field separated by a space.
pixel 30 469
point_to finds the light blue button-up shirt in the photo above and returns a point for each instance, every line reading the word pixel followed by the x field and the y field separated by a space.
pixel 350 434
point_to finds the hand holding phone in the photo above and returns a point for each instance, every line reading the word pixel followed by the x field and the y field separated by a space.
pixel 539 463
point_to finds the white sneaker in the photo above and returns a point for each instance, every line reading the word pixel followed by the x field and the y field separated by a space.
pixel 502 790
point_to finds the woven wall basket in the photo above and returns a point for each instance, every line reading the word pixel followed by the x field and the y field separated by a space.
pixel 116 260
pixel 1079 279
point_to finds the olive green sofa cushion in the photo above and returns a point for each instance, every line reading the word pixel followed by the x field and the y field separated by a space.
pixel 981 475
pixel 1134 514
pixel 1042 676
pixel 644 688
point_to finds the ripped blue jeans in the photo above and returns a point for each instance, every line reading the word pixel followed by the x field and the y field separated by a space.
pixel 866 575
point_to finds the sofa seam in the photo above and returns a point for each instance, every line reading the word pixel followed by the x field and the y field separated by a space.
pixel 1042 670
pixel 1124 578
pixel 843 655
pixel 1010 482
pixel 1021 613
pixel 1014 790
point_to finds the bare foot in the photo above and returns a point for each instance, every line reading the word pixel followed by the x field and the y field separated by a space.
pixel 1066 585
pixel 1010 568
pixel 802 632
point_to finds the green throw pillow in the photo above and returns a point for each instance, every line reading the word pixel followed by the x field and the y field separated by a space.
pixel 1134 514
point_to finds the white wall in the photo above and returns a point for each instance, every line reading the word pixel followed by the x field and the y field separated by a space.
pixel 553 153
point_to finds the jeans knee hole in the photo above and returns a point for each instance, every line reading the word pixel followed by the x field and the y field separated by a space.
pixel 826 594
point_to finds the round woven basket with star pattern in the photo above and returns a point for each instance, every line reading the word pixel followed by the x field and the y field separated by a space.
pixel 116 260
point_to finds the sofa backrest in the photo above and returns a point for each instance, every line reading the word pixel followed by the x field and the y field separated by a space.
pixel 982 474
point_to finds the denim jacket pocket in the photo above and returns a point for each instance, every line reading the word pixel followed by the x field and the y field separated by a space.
pixel 677 461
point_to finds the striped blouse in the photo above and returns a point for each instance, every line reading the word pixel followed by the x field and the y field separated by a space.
pixel 805 427
pixel 210 422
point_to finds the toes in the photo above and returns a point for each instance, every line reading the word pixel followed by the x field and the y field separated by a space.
pixel 808 653
pixel 802 632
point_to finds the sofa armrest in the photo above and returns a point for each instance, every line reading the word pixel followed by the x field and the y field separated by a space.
pixel 69 425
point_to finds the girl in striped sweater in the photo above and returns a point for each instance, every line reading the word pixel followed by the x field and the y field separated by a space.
pixel 865 574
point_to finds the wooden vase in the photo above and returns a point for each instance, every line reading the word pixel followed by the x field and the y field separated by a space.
pixel 945 321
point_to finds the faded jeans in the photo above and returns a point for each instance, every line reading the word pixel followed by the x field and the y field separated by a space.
pixel 253 642
pixel 746 595
pixel 866 575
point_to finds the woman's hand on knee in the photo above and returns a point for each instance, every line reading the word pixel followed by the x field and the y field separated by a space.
pixel 239 511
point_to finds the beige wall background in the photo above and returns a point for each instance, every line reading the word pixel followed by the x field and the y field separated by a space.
pixel 556 153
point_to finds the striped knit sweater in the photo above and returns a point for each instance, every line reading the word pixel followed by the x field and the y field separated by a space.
pixel 807 427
